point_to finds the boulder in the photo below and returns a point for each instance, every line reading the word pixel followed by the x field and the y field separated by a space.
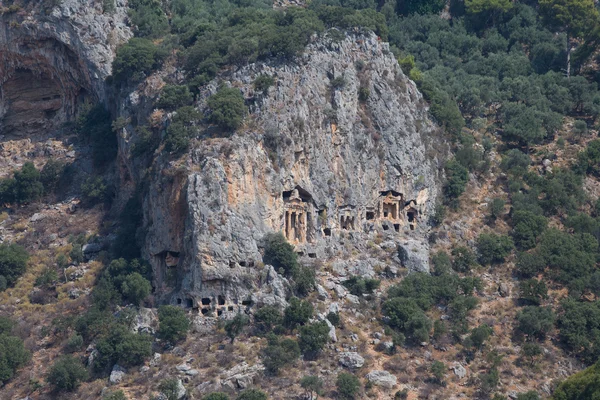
pixel 382 378
pixel 459 370
pixel 352 360
pixel 117 374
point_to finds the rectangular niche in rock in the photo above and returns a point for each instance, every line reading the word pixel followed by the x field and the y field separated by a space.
pixel 298 222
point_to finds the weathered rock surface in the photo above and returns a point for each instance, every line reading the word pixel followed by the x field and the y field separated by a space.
pixel 117 374
pixel 350 359
pixel 312 161
pixel 52 60
pixel 382 378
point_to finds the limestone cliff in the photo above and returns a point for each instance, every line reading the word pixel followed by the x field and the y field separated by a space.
pixel 330 170
pixel 54 59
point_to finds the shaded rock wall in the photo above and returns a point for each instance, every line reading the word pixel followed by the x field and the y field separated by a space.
pixel 52 61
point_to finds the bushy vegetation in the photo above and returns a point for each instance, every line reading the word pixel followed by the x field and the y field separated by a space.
pixel 173 323
pixel 348 386
pixel 24 187
pixel 67 373
pixel 13 354
pixel 405 309
pixel 13 262
pixel 227 108
pixel 279 353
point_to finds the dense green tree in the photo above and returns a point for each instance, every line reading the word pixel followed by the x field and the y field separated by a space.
pixel 266 318
pixel 313 337
pixel 135 59
pixel 297 313
pixel 121 346
pixel 279 353
pixel 438 370
pixel 13 354
pixel 457 178
pixel 406 316
pixel 579 323
pixel 528 226
pixel 531 351
pixel 227 108
pixel 173 323
pixel 493 249
pixel 67 373
pixel 347 386
pixel 535 322
pixel 173 97
pixel 464 259
pixel 13 261
pixel 533 291
pixel 280 254
pixel 136 288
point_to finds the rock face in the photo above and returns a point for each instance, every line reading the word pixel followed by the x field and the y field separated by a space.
pixel 382 378
pixel 54 59
pixel 350 359
pixel 313 161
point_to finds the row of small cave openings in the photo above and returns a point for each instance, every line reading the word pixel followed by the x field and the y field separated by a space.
pixel 208 306
pixel 391 211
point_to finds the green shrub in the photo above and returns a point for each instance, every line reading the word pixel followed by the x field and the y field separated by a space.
pixel 533 291
pixel 338 82
pixel 334 318
pixel 227 108
pixel 359 286
pixel 182 129
pixel 279 353
pixel 135 288
pixel 3 283
pixel 266 318
pixel 496 208
pixel 589 159
pixel 173 323
pixel 406 316
pixel 76 253
pixel 304 280
pixel 531 351
pixel 313 337
pixel 136 59
pixel 173 97
pixel 438 369
pixel 13 354
pixel 75 343
pixel 13 262
pixel 262 83
pixel 464 259
pixel 121 346
pixel 493 248
pixel 94 191
pixel 119 394
pixel 457 177
pixel 535 322
pixel 527 227
pixel 170 388
pixel 363 94
pixel 280 254
pixel 67 373
pixel 478 336
pixel 580 128
pixel 441 263
pixel 297 313
pixel 347 386
pixel 578 324
pixel 94 123
pixel 252 394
